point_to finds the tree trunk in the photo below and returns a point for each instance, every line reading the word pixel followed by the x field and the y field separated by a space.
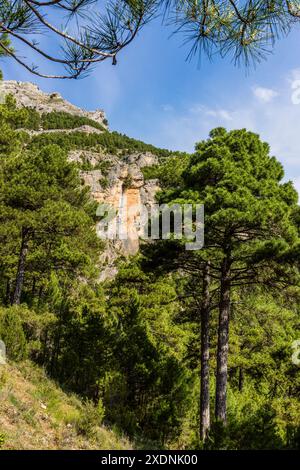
pixel 33 289
pixel 8 293
pixel 21 267
pixel 40 295
pixel 223 340
pixel 204 387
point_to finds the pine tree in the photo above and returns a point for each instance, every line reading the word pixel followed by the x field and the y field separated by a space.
pixel 52 216
pixel 248 222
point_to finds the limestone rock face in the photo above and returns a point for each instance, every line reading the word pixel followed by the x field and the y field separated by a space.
pixel 142 159
pixel 29 95
pixel 125 190
pixel 114 180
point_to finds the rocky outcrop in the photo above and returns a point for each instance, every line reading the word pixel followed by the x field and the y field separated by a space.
pixel 85 129
pixel 29 95
pixel 125 190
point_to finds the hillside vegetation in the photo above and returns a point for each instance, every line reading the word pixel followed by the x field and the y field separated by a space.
pixel 111 142
pixel 36 414
pixel 182 349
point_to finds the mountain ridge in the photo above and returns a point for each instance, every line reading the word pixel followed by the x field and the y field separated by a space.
pixel 28 94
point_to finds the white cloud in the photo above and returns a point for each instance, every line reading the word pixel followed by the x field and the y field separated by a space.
pixel 223 114
pixel 218 113
pixel 277 123
pixel 167 108
pixel 264 94
pixel 294 74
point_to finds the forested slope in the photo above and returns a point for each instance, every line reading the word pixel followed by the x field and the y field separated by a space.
pixel 181 349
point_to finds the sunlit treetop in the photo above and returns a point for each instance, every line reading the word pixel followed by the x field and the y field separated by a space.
pixel 85 32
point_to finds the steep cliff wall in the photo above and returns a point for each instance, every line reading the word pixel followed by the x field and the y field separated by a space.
pixel 124 188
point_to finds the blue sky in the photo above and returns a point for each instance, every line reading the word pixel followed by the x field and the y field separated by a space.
pixel 155 95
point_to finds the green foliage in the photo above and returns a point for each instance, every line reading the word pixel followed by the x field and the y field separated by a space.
pixel 41 200
pixel 104 182
pixel 130 346
pixel 17 118
pixel 11 118
pixel 63 120
pixel 86 165
pixel 148 387
pixel 169 172
pixel 38 328
pixel 104 166
pixel 2 440
pixel 256 424
pixel 34 121
pixel 5 41
pixel 250 239
pixel 90 417
pixel 127 182
pixel 111 142
pixel 245 31
pixel 55 120
pixel 12 334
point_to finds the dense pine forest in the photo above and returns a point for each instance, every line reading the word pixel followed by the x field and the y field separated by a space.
pixel 182 349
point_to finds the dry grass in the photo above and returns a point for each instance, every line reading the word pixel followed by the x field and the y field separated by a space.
pixel 36 414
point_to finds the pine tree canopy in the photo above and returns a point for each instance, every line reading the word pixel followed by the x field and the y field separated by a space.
pixel 87 32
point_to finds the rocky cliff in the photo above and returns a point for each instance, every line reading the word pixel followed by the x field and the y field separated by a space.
pixel 119 179
pixel 112 178
pixel 30 96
